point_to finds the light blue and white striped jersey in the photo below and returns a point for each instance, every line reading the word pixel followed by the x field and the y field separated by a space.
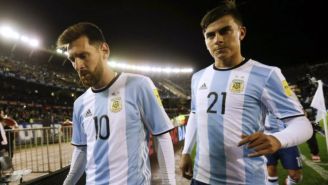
pixel 228 103
pixel 114 123
pixel 273 124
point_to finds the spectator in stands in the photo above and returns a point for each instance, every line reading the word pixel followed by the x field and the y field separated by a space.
pixel 229 101
pixel 112 118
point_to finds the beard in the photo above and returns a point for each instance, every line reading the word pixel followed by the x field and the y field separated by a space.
pixel 90 79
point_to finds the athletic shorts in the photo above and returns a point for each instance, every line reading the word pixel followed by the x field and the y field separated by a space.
pixel 289 157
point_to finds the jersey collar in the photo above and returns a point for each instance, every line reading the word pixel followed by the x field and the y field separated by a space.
pixel 107 86
pixel 230 68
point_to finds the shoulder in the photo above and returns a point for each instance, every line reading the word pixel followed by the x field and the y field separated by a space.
pixel 135 77
pixel 80 99
pixel 200 73
pixel 263 66
pixel 263 70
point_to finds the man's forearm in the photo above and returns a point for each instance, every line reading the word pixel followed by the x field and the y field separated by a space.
pixel 298 131
pixel 77 165
pixel 165 155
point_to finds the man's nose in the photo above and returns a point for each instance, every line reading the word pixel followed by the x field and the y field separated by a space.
pixel 218 38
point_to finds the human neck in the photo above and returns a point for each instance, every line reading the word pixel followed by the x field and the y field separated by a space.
pixel 228 63
pixel 107 77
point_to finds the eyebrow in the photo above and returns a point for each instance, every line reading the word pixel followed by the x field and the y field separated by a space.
pixel 71 57
pixel 219 30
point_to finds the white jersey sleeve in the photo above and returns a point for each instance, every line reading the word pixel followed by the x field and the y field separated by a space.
pixel 151 108
pixel 190 138
pixel 279 99
pixel 79 136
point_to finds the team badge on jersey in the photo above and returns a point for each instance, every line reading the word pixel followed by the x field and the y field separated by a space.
pixel 288 90
pixel 116 104
pixel 158 97
pixel 237 86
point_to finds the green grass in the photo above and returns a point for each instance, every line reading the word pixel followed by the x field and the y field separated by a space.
pixel 310 177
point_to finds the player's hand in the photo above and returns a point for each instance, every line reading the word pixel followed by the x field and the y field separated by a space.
pixel 262 144
pixel 186 166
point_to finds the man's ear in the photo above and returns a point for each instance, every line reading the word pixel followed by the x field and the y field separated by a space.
pixel 105 49
pixel 242 32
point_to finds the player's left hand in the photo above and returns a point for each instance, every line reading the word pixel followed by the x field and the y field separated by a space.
pixel 262 144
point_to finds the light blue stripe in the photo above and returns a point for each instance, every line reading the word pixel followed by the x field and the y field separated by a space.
pixel 251 119
pixel 279 98
pixel 133 133
pixel 216 129
pixel 79 138
pixel 154 114
pixel 101 147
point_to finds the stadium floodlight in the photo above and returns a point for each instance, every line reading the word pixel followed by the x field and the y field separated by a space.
pixel 9 33
pixel 148 69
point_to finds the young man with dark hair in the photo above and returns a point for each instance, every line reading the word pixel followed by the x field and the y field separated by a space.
pixel 229 102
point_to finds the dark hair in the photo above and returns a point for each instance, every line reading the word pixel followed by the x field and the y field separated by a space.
pixel 91 31
pixel 226 7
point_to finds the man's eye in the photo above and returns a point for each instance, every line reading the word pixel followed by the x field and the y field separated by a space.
pixel 210 35
pixel 72 59
pixel 83 56
pixel 224 30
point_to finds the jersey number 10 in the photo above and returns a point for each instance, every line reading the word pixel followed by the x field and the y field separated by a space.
pixel 101 132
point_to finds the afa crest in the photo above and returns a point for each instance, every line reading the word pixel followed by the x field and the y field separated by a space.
pixel 116 104
pixel 237 86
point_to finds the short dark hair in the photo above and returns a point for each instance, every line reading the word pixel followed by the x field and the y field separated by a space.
pixel 226 7
pixel 90 30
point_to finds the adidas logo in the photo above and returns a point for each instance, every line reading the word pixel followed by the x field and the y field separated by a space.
pixel 88 113
pixel 203 86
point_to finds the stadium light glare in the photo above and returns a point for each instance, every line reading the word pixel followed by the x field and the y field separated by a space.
pixel 59 51
pixel 147 69
pixel 25 39
pixel 9 33
pixel 34 42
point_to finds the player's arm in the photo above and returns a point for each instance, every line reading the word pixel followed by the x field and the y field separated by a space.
pixel 77 165
pixel 157 121
pixel 79 158
pixel 165 156
pixel 298 131
pixel 186 165
pixel 282 103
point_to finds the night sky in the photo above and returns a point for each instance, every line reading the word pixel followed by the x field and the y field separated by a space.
pixel 167 32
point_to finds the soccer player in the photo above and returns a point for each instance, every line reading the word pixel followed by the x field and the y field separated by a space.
pixel 112 120
pixel 290 157
pixel 229 101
